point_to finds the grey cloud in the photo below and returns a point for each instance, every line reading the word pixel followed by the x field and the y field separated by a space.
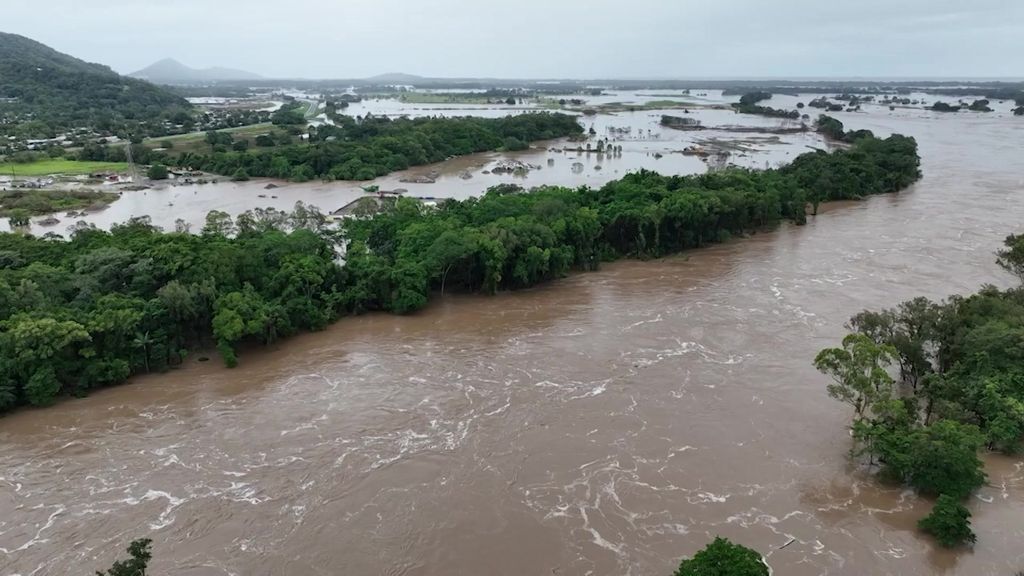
pixel 540 38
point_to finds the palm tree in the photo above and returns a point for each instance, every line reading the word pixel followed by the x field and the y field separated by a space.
pixel 143 340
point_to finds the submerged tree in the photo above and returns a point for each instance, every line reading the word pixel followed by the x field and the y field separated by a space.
pixel 1011 258
pixel 949 523
pixel 19 217
pixel 723 558
pixel 140 553
pixel 858 370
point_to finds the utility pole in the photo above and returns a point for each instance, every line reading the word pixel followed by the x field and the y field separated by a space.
pixel 132 172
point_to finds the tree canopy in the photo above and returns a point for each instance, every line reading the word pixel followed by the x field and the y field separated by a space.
pixel 140 555
pixel 949 522
pixel 723 558
pixel 368 147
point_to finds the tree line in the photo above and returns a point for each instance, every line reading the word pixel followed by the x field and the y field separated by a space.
pixel 372 146
pixel 102 306
pixel 959 388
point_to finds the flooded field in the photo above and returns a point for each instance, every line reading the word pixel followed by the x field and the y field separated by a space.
pixel 646 145
pixel 610 423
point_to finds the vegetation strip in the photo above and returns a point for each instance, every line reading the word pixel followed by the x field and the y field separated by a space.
pixel 102 306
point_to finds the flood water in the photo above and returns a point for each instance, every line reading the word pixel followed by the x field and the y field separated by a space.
pixel 609 423
pixel 166 203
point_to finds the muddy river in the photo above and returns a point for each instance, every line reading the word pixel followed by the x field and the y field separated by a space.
pixel 606 424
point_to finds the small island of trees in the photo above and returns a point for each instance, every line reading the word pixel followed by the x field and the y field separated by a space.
pixel 748 105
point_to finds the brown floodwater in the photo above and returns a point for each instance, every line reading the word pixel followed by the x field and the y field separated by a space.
pixel 609 423
pixel 645 145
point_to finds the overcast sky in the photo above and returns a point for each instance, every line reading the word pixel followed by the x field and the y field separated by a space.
pixel 540 38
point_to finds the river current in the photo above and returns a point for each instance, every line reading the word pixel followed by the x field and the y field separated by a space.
pixel 609 423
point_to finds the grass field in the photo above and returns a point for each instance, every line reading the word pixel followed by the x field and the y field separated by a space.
pixel 252 129
pixel 196 141
pixel 60 166
pixel 439 98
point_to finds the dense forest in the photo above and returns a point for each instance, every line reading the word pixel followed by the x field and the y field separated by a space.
pixel 46 93
pixel 959 387
pixel 101 306
pixel 369 147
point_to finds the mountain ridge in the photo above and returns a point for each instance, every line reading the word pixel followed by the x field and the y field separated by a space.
pixel 46 92
pixel 171 71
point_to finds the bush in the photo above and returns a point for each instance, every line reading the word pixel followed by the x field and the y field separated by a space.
pixel 723 558
pixel 19 217
pixel 157 172
pixel 42 388
pixel 240 175
pixel 944 459
pixel 949 523
pixel 513 144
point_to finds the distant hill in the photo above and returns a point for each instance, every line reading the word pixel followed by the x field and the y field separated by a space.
pixel 395 78
pixel 170 71
pixel 46 92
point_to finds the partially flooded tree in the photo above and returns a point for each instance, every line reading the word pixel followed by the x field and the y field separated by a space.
pixel 949 523
pixel 723 558
pixel 18 217
pixel 140 553
pixel 858 371
pixel 1011 258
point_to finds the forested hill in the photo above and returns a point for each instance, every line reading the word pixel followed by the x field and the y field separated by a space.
pixel 52 92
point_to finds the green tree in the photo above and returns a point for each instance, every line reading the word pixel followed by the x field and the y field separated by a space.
pixel 157 172
pixel 858 371
pixel 723 558
pixel 140 553
pixel 949 523
pixel 143 341
pixel 1011 258
pixel 944 459
pixel 19 217
pixel 513 144
pixel 240 175
pixel 218 223
pixel 42 387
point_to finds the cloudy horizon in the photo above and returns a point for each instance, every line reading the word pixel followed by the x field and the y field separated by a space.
pixel 652 39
